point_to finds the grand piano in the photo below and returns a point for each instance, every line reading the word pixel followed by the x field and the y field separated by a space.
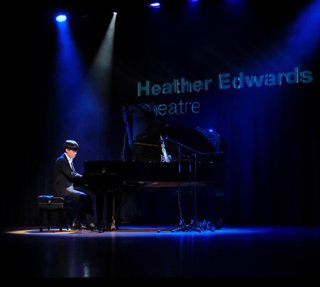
pixel 155 156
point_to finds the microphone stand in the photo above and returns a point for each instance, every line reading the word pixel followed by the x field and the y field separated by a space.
pixel 194 225
pixel 194 222
pixel 182 225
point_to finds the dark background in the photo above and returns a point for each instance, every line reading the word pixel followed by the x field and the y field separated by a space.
pixel 271 134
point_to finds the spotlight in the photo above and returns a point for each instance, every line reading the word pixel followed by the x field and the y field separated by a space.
pixel 154 5
pixel 61 18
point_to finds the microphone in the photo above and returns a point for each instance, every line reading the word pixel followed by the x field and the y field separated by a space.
pixel 164 157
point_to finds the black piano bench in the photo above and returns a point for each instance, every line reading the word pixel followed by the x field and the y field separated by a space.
pixel 47 204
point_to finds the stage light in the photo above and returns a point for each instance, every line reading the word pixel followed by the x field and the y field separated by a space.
pixel 61 18
pixel 154 5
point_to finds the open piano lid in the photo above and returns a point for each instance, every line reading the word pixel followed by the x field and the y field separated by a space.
pixel 144 132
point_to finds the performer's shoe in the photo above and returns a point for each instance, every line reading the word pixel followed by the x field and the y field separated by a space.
pixel 77 226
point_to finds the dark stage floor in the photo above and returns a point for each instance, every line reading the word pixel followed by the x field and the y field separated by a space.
pixel 286 253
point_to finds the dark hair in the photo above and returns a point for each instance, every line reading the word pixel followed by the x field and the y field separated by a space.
pixel 71 144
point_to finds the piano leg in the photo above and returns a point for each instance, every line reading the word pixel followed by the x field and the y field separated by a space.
pixel 114 205
pixel 106 208
pixel 113 216
pixel 107 213
pixel 100 203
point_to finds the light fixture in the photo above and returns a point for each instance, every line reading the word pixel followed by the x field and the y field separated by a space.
pixel 61 18
pixel 154 5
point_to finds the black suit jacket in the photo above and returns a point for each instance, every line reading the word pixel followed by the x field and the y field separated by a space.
pixel 63 176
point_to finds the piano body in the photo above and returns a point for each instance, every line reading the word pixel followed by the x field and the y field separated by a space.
pixel 108 180
pixel 196 161
pixel 110 174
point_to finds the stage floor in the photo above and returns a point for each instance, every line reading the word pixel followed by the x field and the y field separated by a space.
pixel 232 252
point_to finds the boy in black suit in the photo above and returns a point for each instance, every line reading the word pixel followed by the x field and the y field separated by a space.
pixel 64 174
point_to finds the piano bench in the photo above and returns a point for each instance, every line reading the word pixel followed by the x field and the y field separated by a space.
pixel 48 204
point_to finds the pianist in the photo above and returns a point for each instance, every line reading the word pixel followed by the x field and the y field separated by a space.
pixel 64 174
